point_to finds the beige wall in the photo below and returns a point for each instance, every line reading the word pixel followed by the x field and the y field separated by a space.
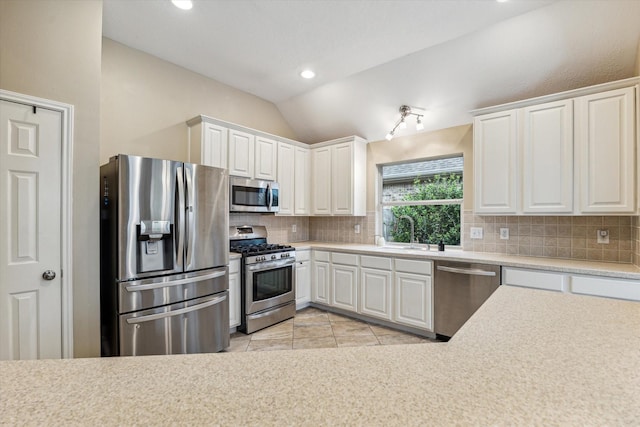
pixel 52 50
pixel 146 102
pixel 637 73
pixel 456 140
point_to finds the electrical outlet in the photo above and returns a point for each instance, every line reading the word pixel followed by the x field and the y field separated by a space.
pixel 356 228
pixel 603 236
pixel 476 232
pixel 504 233
pixel 294 228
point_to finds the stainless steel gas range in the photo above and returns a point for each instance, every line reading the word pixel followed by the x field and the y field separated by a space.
pixel 268 278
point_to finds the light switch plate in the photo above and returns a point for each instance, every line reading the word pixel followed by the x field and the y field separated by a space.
pixel 476 232
pixel 356 228
pixel 294 228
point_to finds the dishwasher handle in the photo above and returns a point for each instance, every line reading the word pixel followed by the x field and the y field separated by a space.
pixel 469 271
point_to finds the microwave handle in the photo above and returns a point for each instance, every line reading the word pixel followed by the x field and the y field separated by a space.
pixel 269 196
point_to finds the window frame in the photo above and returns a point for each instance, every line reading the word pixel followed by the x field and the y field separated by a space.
pixel 381 205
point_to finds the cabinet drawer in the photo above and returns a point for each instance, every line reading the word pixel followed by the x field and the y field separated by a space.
pixel 234 266
pixel 303 255
pixel 534 279
pixel 347 259
pixel 380 263
pixel 413 266
pixel 321 256
pixel 605 287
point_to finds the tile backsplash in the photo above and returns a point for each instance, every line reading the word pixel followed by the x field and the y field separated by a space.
pixel 571 237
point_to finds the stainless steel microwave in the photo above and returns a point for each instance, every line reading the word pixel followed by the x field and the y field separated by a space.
pixel 252 195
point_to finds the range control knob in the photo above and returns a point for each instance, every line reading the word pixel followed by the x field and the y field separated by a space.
pixel 273 257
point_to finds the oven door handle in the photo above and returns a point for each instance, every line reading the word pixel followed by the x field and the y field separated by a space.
pixel 268 265
pixel 172 313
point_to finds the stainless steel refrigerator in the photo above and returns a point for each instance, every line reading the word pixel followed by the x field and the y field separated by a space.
pixel 164 255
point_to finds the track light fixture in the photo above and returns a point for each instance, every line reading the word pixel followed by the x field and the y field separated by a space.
pixel 405 111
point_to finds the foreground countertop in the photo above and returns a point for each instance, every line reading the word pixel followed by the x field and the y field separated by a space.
pixel 527 357
pixel 608 269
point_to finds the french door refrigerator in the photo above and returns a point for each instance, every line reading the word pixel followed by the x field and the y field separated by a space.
pixel 164 255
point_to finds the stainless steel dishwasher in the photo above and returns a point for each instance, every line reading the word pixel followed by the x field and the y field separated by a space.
pixel 459 290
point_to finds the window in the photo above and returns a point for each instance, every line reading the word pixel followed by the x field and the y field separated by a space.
pixel 430 193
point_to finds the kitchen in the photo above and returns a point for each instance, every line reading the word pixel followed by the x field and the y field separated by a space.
pixel 106 68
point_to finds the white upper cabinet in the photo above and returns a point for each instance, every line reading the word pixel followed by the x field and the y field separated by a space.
pixel 241 153
pixel 605 150
pixel 286 176
pixel 208 144
pixel 568 153
pixel 339 177
pixel 266 159
pixel 495 163
pixel 547 151
pixel 302 181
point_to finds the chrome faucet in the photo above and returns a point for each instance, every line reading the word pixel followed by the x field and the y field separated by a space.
pixel 412 241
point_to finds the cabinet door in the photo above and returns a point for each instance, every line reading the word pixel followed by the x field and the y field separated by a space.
pixel 241 148
pixel 320 282
pixel 234 293
pixel 413 300
pixel 302 181
pixel 321 181
pixel 303 283
pixel 342 179
pixel 344 281
pixel 375 293
pixel 495 163
pixel 214 146
pixel 547 151
pixel 605 124
pixel 286 178
pixel 266 159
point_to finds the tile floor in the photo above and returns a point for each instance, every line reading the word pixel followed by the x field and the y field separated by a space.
pixel 314 328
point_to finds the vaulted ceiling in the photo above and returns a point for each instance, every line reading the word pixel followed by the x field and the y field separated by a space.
pixel 371 56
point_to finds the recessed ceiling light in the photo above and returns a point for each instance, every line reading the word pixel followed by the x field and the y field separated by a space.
pixel 307 74
pixel 502 1
pixel 183 4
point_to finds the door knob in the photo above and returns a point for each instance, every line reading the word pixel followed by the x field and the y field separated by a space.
pixel 49 275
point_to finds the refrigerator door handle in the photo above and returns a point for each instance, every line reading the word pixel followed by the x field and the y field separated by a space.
pixel 189 225
pixel 172 313
pixel 135 288
pixel 180 217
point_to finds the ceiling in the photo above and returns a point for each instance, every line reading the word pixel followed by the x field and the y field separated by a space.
pixel 370 57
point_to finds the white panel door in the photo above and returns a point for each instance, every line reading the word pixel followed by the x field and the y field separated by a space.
pixel 302 181
pixel 342 185
pixel 547 150
pixel 30 167
pixel 344 286
pixel 414 302
pixel 605 147
pixel 375 293
pixel 241 149
pixel 286 157
pixel 495 163
pixel 266 161
pixel 234 293
pixel 303 282
pixel 320 282
pixel 214 145
pixel 321 182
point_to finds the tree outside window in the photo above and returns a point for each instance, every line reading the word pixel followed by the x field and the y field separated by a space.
pixel 430 192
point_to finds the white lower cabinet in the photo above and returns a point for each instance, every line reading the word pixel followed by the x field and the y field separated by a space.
pixel 578 284
pixel 303 278
pixel 234 293
pixel 396 290
pixel 344 281
pixel 320 277
pixel 413 300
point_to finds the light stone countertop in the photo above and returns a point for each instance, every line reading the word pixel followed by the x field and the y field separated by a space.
pixel 527 357
pixel 608 269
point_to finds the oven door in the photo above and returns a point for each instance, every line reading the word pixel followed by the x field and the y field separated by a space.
pixel 269 284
